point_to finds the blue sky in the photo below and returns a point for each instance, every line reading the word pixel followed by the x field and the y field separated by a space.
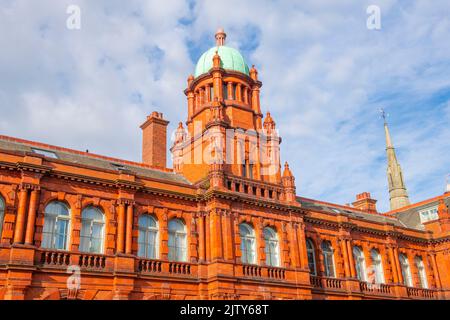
pixel 324 74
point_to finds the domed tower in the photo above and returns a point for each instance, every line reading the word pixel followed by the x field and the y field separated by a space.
pixel 224 125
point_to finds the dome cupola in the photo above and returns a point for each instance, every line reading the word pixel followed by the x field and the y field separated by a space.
pixel 231 59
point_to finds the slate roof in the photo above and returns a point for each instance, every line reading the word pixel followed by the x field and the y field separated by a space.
pixel 349 211
pixel 90 160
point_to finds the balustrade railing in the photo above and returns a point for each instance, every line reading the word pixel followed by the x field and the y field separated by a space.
pixel 50 258
pixel 421 293
pixel 253 188
pixel 326 282
pixel 92 261
pixel 375 288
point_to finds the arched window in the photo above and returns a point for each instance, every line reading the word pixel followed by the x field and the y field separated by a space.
pixel 92 230
pixel 177 240
pixel 148 237
pixel 406 270
pixel 248 244
pixel 328 260
pixel 272 247
pixel 422 273
pixel 377 266
pixel 2 215
pixel 55 234
pixel 310 250
pixel 360 263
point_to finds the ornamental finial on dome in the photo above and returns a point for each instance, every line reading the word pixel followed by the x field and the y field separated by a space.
pixel 220 37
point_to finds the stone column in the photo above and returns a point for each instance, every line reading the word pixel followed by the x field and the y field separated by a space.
pixel 120 227
pixel 20 218
pixel 216 235
pixel 129 235
pixel 393 265
pixel 436 270
pixel 346 258
pixel 230 90
pixel 201 237
pixel 301 238
pixel 350 259
pixel 238 92
pixel 398 267
pixel 34 202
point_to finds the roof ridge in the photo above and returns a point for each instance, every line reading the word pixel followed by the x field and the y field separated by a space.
pixel 333 204
pixel 87 154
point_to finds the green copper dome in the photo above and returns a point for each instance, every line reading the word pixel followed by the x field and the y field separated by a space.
pixel 231 59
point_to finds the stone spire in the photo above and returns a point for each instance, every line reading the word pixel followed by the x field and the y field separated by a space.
pixel 398 195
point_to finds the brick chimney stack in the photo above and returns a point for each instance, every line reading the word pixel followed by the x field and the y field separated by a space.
pixel 365 203
pixel 154 140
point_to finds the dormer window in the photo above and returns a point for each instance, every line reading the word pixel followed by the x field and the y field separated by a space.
pixel 45 153
pixel 118 166
pixel 428 214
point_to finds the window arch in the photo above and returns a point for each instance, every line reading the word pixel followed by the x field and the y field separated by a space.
pixel 177 240
pixel 55 234
pixel 360 263
pixel 310 250
pixel 2 215
pixel 406 270
pixel 328 259
pixel 377 266
pixel 422 273
pixel 148 237
pixel 272 248
pixel 92 230
pixel 248 243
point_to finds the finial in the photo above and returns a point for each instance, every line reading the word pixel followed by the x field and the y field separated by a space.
pixel 287 172
pixel 384 115
pixel 220 37
pixel 180 125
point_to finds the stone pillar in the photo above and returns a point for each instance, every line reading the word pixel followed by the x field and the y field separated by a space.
pixel 216 235
pixel 120 228
pixel 301 237
pixel 208 93
pixel 34 202
pixel 239 92
pixel 129 235
pixel 227 236
pixel 436 270
pixel 245 95
pixel 393 265
pixel 20 218
pixel 208 237
pixel 397 266
pixel 191 106
pixel 295 246
pixel 350 259
pixel 345 254
pixel 230 90
pixel 201 237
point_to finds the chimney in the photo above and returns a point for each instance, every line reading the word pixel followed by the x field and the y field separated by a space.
pixel 365 203
pixel 154 140
pixel 447 187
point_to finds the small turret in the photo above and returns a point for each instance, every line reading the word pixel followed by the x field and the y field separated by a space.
pixel 288 181
pixel 269 124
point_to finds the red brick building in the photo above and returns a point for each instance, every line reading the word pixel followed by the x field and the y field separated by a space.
pixel 224 223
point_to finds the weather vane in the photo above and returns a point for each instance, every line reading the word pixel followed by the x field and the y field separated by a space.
pixel 383 114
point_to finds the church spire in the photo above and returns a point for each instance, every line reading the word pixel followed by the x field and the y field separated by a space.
pixel 398 195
